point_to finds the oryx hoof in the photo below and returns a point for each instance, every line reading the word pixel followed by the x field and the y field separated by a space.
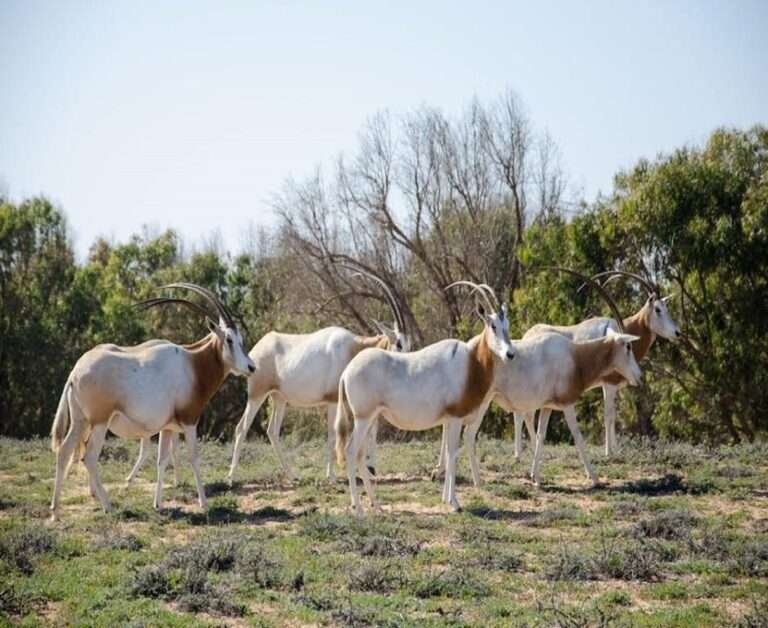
pixel 371 470
pixel 436 474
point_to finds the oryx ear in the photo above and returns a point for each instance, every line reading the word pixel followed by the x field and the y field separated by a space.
pixel 628 337
pixel 671 296
pixel 384 329
pixel 504 311
pixel 213 327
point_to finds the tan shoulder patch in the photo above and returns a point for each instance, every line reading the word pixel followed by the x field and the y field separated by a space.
pixel 208 373
pixel 480 368
pixel 591 360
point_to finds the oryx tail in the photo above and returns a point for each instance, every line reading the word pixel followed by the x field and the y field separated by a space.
pixel 61 422
pixel 344 423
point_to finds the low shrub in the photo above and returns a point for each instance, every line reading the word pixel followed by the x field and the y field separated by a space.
pixel 635 561
pixel 20 548
pixel 668 524
pixel 451 583
pixel 373 578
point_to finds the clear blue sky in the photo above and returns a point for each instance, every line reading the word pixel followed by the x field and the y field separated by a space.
pixel 191 114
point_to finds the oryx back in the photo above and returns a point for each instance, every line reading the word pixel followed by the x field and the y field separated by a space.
pixel 145 385
pixel 396 383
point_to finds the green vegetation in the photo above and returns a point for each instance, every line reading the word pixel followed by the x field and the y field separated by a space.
pixel 695 220
pixel 644 549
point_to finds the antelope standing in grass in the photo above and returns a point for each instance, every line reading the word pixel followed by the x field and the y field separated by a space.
pixel 652 320
pixel 551 371
pixel 448 383
pixel 136 392
pixel 303 370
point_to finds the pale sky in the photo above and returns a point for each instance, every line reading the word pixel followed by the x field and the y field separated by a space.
pixel 190 114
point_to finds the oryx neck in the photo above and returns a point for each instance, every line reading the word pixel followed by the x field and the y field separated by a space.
pixel 480 369
pixel 639 325
pixel 208 373
pixel 593 361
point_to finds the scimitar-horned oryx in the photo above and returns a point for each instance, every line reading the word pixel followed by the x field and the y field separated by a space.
pixel 139 391
pixel 303 370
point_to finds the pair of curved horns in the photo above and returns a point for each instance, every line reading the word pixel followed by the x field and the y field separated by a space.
pixel 651 288
pixel 591 282
pixel 223 311
pixel 388 292
pixel 485 291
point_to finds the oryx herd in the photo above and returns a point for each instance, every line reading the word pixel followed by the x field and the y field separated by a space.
pixel 160 387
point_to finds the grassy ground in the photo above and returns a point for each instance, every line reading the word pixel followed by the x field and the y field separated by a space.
pixel 677 536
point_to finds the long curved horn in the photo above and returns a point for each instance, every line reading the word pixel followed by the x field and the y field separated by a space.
pixel 399 319
pixel 603 292
pixel 225 314
pixel 148 303
pixel 491 294
pixel 476 288
pixel 650 288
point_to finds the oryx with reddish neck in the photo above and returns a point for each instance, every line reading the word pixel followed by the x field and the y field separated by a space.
pixel 303 370
pixel 652 320
pixel 136 392
pixel 447 383
pixel 551 371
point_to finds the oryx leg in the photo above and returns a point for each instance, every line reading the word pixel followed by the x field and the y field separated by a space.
pixel 518 433
pixel 330 411
pixel 452 428
pixel 164 445
pixel 144 447
pixel 190 438
pixel 470 444
pixel 352 452
pixel 370 447
pixel 530 425
pixel 570 419
pixel 362 461
pixel 69 446
pixel 441 459
pixel 174 447
pixel 609 395
pixel 91 460
pixel 273 432
pixel 541 436
pixel 241 431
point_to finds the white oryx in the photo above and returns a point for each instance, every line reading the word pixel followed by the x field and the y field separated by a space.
pixel 303 370
pixel 653 319
pixel 551 371
pixel 447 383
pixel 136 392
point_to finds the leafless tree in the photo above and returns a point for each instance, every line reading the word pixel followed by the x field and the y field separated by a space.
pixel 425 200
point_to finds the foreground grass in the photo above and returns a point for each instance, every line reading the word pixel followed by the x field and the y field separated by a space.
pixel 676 536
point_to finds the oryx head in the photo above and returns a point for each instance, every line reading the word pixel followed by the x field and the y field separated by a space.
pixel 659 319
pixel 623 358
pixel 494 316
pixel 656 312
pixel 229 339
pixel 399 339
